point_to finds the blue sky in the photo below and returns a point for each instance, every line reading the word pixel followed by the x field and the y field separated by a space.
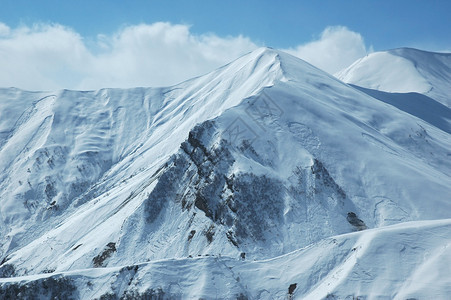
pixel 101 29
pixel 384 24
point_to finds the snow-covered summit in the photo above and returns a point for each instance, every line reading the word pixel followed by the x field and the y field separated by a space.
pixel 403 70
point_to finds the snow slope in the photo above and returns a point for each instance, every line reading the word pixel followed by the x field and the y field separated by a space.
pixel 416 104
pixel 405 261
pixel 61 149
pixel 249 163
pixel 403 70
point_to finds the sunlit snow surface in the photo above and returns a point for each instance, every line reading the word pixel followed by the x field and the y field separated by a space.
pixel 241 183
pixel 403 70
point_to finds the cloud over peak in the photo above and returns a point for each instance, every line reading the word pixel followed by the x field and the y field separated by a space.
pixel 52 56
pixel 337 48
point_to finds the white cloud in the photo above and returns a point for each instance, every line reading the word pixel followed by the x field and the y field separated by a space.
pixel 42 57
pixel 161 54
pixel 51 56
pixel 337 48
pixel 47 57
pixel 4 29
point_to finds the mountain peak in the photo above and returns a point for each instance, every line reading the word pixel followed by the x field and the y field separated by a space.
pixel 403 70
pixel 267 158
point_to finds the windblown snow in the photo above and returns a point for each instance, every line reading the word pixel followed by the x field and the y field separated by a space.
pixel 403 70
pixel 265 179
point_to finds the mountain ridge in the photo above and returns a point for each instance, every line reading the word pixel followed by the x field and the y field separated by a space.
pixel 403 70
pixel 264 156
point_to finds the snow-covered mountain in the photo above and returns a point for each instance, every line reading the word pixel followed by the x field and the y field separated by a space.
pixel 265 179
pixel 403 70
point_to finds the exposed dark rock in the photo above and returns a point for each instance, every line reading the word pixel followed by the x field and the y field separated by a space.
pixel 55 287
pixel 167 187
pixel 194 176
pixel 109 296
pixel 7 271
pixel 151 294
pixel 231 238
pixel 292 288
pixel 50 190
pixel 259 203
pixel 4 260
pixel 76 247
pixel 199 177
pixel 355 221
pixel 128 273
pixel 48 271
pixel 209 233
pixel 191 235
pixel 201 203
pixel 241 297
pixel 323 176
pixel 245 202
pixel 99 260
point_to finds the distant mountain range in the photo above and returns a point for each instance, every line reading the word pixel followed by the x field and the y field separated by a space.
pixel 265 179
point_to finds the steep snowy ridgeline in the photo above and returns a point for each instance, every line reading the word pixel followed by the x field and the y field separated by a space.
pixel 283 156
pixel 416 104
pixel 405 261
pixel 403 70
pixel 62 149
